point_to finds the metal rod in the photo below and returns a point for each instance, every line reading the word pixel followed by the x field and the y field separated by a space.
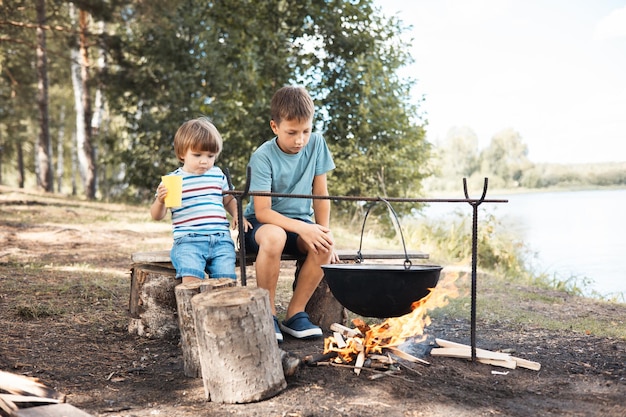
pixel 474 204
pixel 240 226
pixel 362 198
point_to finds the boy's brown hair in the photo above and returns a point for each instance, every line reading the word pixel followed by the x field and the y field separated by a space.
pixel 291 103
pixel 198 135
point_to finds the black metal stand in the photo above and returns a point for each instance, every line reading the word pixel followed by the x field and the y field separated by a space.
pixel 240 195
pixel 474 204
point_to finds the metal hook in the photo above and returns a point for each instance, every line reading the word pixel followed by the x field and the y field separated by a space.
pixel 482 197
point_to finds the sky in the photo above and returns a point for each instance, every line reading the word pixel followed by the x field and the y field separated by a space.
pixel 552 70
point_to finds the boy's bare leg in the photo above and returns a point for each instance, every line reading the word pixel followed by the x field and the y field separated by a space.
pixel 271 240
pixel 310 276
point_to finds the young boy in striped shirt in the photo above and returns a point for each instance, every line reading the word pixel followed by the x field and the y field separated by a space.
pixel 202 240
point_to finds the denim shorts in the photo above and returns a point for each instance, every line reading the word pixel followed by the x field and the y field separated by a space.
pixel 194 254
pixel 291 245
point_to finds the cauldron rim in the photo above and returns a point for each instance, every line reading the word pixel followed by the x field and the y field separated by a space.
pixel 389 267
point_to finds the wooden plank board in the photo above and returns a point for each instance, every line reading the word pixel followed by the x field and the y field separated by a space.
pixel 466 353
pixel 522 363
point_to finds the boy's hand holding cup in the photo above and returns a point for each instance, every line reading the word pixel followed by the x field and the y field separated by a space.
pixel 174 185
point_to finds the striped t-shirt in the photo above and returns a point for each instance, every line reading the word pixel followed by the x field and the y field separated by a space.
pixel 202 209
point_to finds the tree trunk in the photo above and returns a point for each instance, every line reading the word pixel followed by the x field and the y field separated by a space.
pixel 44 146
pixel 60 143
pixel 88 150
pixel 239 355
pixel 20 165
pixel 82 101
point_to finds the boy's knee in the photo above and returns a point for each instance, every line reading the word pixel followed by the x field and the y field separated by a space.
pixel 272 237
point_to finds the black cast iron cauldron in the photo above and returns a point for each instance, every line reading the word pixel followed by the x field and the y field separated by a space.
pixel 380 290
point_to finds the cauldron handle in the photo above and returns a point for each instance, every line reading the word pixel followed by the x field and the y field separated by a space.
pixel 359 255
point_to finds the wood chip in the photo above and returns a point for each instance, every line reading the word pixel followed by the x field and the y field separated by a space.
pixel 401 354
pixel 360 359
pixel 339 340
pixel 346 331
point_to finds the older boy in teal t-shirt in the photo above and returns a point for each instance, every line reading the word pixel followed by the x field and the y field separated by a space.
pixel 294 162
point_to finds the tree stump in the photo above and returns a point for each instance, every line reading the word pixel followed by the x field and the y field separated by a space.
pixel 188 337
pixel 239 356
pixel 323 308
pixel 152 304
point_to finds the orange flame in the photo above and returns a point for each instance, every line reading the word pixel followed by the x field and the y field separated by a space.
pixel 395 330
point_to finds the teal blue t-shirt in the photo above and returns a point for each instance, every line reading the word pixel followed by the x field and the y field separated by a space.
pixel 272 170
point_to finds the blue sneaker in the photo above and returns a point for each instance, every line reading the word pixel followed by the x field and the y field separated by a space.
pixel 300 327
pixel 279 335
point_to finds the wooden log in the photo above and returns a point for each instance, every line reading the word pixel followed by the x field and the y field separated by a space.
pixel 239 356
pixel 152 304
pixel 188 338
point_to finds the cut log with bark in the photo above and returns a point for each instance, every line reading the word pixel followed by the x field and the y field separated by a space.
pixel 239 356
pixel 188 338
pixel 152 304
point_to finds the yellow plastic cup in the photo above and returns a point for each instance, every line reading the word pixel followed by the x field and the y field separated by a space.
pixel 174 185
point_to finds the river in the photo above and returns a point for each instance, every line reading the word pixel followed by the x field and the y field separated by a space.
pixel 579 234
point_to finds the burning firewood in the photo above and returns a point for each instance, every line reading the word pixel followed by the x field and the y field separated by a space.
pixel 362 346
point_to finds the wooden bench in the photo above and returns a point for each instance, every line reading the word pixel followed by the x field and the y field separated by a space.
pixel 162 257
pixel 152 304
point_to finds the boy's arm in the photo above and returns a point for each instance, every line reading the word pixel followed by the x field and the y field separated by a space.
pixel 230 204
pixel 158 209
pixel 321 208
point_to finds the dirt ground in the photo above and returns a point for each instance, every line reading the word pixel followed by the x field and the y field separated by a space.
pixel 64 274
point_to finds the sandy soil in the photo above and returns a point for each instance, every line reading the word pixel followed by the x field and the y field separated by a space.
pixel 64 274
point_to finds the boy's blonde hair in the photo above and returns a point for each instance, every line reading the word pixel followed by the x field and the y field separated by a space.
pixel 198 135
pixel 291 103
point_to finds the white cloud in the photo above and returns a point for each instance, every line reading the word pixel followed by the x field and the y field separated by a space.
pixel 612 26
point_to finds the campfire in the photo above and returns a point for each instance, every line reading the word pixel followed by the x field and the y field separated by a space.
pixel 378 345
